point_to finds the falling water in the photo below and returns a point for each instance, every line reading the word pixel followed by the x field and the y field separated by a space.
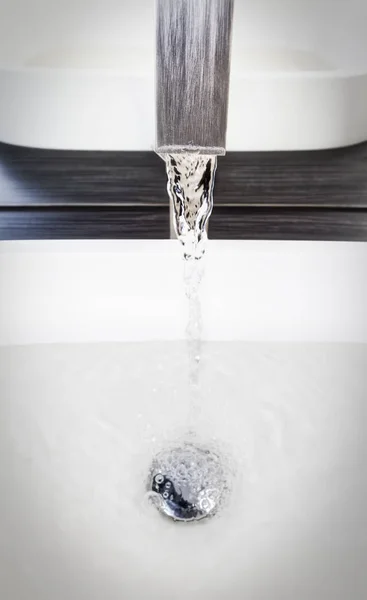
pixel 189 482
pixel 190 186
pixel 193 274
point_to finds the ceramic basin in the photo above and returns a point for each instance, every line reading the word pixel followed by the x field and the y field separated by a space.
pixel 94 382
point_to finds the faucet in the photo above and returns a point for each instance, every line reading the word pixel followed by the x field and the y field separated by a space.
pixel 193 66
pixel 192 89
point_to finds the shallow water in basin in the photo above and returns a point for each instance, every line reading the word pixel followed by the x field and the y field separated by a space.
pixel 80 424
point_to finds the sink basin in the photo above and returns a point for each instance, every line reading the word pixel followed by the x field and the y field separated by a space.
pixel 94 382
pixel 80 74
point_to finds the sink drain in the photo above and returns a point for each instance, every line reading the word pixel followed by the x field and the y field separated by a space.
pixel 187 483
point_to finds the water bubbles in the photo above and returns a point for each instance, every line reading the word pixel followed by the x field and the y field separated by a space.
pixel 191 482
pixel 207 500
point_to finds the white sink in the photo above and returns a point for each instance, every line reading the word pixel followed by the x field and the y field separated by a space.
pixel 79 74
pixel 283 392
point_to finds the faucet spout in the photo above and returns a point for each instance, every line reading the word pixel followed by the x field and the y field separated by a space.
pixel 193 71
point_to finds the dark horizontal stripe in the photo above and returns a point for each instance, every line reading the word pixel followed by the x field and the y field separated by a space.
pixel 288 224
pixel 84 223
pixel 334 178
pixel 142 223
pixel 32 176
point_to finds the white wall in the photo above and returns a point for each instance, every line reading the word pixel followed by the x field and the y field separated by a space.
pixel 334 28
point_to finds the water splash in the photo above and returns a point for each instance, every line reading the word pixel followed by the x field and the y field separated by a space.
pixel 190 186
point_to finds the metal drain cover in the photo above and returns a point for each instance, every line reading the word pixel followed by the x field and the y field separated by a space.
pixel 187 483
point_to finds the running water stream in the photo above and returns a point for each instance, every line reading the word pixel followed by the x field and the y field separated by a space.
pixel 193 274
pixel 189 481
pixel 190 186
